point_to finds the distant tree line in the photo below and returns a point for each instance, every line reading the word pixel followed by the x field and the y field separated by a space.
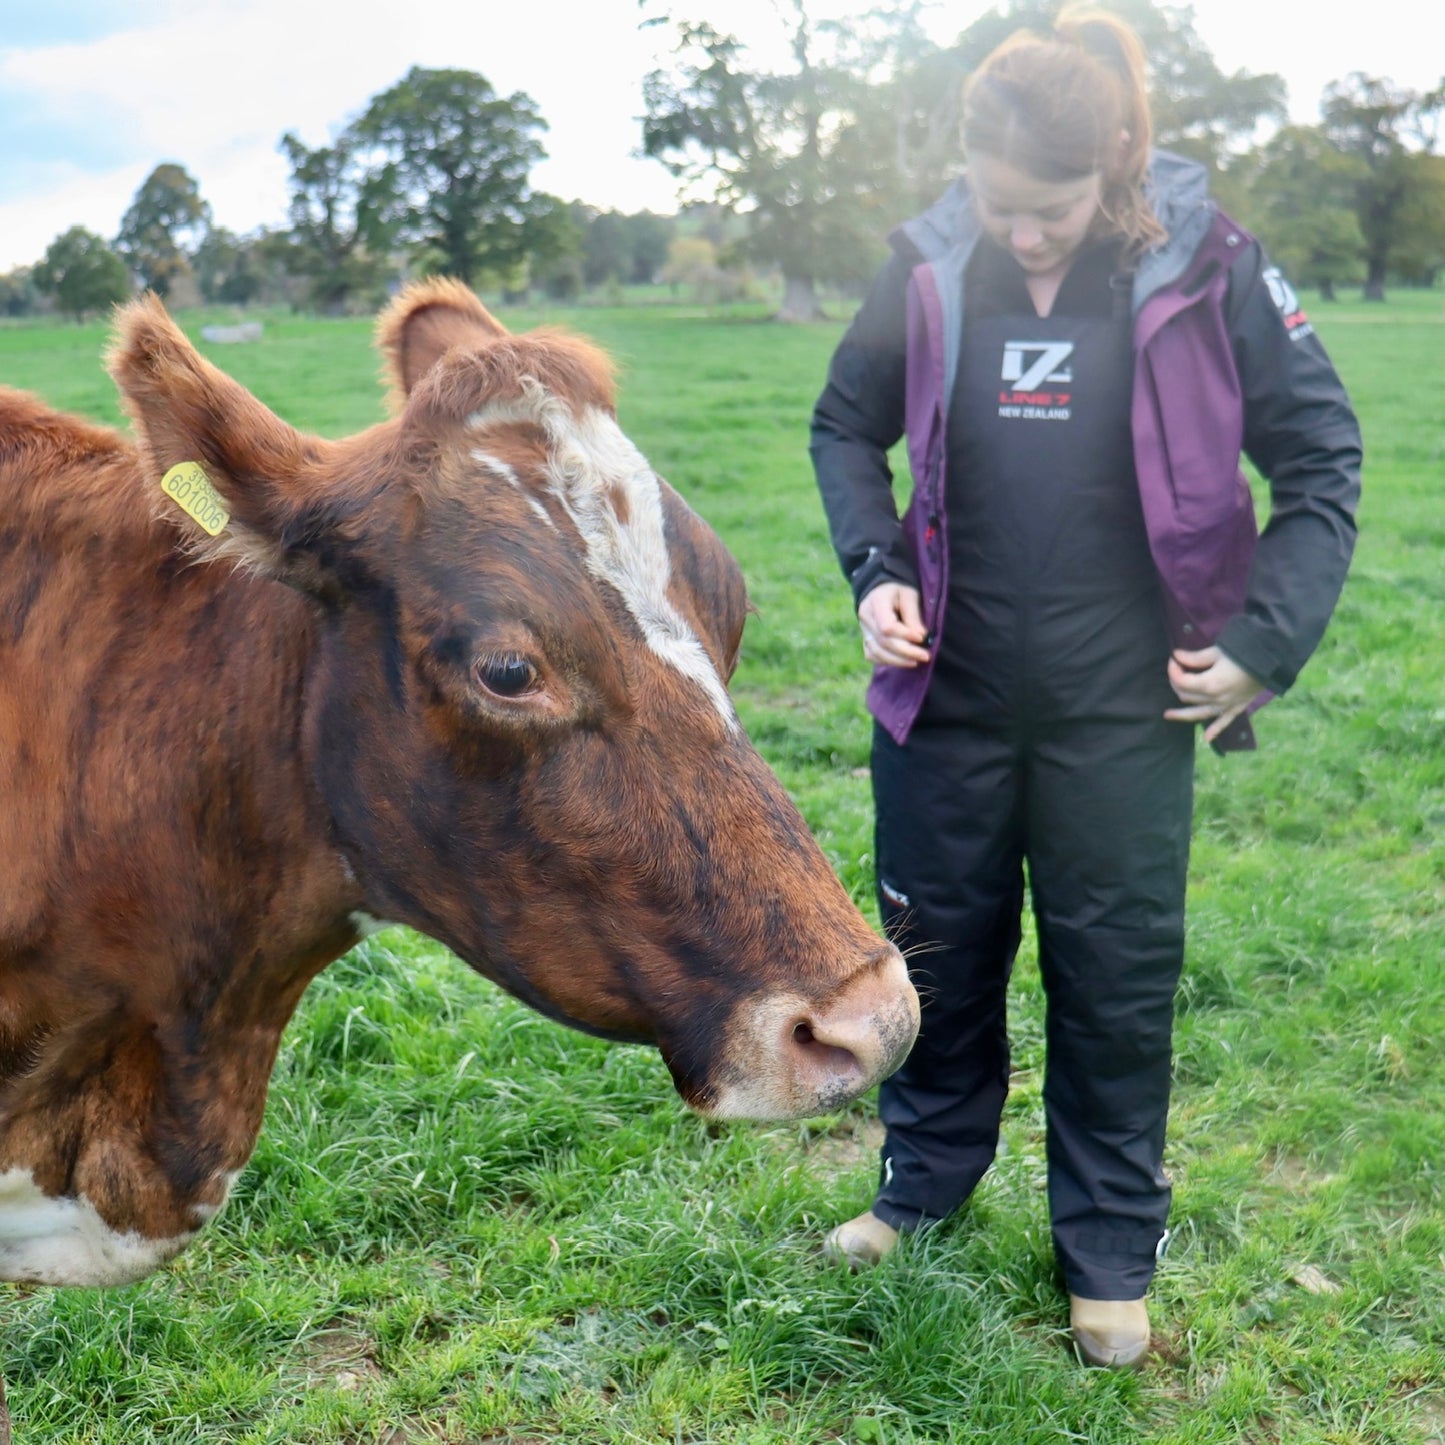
pixel 803 170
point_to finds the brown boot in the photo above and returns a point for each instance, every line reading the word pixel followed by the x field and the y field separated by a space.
pixel 1110 1333
pixel 861 1243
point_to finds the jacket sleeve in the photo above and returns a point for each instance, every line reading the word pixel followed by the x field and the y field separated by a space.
pixel 1301 433
pixel 857 419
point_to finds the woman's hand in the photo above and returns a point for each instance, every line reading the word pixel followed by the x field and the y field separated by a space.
pixel 1210 685
pixel 892 623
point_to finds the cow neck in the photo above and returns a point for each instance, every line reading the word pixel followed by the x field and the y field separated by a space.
pixel 136 1043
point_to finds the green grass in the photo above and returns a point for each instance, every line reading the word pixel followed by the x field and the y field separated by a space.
pixel 463 1223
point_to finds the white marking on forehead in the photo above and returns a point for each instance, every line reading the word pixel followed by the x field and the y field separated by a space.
pixel 508 473
pixel 496 466
pixel 65 1241
pixel 535 406
pixel 540 510
pixel 591 459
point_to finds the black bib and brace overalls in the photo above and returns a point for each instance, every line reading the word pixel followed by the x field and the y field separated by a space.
pixel 1041 750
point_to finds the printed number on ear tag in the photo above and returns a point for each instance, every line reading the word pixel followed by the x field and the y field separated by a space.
pixel 190 488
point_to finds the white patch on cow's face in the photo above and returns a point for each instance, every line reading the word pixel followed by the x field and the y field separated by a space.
pixel 591 458
pixel 65 1241
pixel 591 462
pixel 496 466
pixel 508 473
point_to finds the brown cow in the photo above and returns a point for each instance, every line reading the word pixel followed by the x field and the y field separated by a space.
pixel 464 671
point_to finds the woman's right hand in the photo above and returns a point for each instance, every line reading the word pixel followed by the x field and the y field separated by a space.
pixel 892 623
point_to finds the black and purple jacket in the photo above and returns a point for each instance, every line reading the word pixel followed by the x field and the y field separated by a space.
pixel 1225 365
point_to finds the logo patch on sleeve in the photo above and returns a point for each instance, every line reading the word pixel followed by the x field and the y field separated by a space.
pixel 1285 297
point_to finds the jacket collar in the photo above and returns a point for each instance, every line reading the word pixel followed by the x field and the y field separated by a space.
pixel 1178 190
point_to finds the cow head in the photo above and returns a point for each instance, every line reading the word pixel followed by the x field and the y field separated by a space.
pixel 516 710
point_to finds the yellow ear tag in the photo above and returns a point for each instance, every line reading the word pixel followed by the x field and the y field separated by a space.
pixel 190 488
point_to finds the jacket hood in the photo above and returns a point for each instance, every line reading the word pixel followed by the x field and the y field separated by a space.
pixel 1178 190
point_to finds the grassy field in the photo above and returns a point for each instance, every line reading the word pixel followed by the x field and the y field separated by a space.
pixel 464 1224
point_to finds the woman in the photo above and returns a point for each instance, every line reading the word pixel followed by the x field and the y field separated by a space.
pixel 1078 345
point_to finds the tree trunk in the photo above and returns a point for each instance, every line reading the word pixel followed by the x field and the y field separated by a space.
pixel 800 300
pixel 1327 290
pixel 1375 279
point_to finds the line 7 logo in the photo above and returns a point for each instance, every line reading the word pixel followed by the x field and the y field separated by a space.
pixel 1028 364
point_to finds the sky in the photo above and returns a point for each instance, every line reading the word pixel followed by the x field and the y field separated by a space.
pixel 95 93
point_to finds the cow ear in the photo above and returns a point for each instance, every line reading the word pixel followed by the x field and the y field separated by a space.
pixel 238 480
pixel 425 321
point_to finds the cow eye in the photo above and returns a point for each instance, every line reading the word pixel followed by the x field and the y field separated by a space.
pixel 509 676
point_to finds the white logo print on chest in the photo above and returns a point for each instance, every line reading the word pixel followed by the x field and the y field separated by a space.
pixel 1028 364
pixel 1028 367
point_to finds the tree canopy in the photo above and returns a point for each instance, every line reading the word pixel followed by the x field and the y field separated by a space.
pixel 1299 195
pixel 338 236
pixel 807 150
pixel 82 272
pixel 166 220
pixel 1397 197
pixel 448 163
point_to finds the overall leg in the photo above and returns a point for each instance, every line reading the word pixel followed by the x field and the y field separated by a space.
pixel 950 893
pixel 1110 810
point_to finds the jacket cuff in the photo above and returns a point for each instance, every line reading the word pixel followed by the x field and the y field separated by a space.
pixel 882 565
pixel 1250 646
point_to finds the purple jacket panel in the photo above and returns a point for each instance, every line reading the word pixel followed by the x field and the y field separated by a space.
pixel 896 693
pixel 1188 425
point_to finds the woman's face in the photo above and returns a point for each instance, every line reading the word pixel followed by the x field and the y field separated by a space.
pixel 1039 223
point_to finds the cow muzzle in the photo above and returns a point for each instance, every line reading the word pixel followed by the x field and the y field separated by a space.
pixel 791 1058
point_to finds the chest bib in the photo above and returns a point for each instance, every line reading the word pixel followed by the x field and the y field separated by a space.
pixel 1053 604
pixel 1043 496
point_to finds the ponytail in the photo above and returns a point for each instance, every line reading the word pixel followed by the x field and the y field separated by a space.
pixel 1069 105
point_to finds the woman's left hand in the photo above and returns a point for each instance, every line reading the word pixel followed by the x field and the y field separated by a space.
pixel 1211 686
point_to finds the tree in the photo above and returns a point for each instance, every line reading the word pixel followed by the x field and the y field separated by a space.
pixel 619 248
pixel 1375 121
pixel 166 220
pixel 606 249
pixel 1299 196
pixel 1419 253
pixel 339 238
pixel 649 236
pixel 806 151
pixel 225 269
pixel 18 292
pixel 921 94
pixel 83 274
pixel 448 162
pixel 552 237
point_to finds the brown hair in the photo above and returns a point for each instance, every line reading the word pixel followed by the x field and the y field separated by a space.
pixel 1055 106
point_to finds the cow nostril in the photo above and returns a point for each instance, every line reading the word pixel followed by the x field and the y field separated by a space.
pixel 831 1059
